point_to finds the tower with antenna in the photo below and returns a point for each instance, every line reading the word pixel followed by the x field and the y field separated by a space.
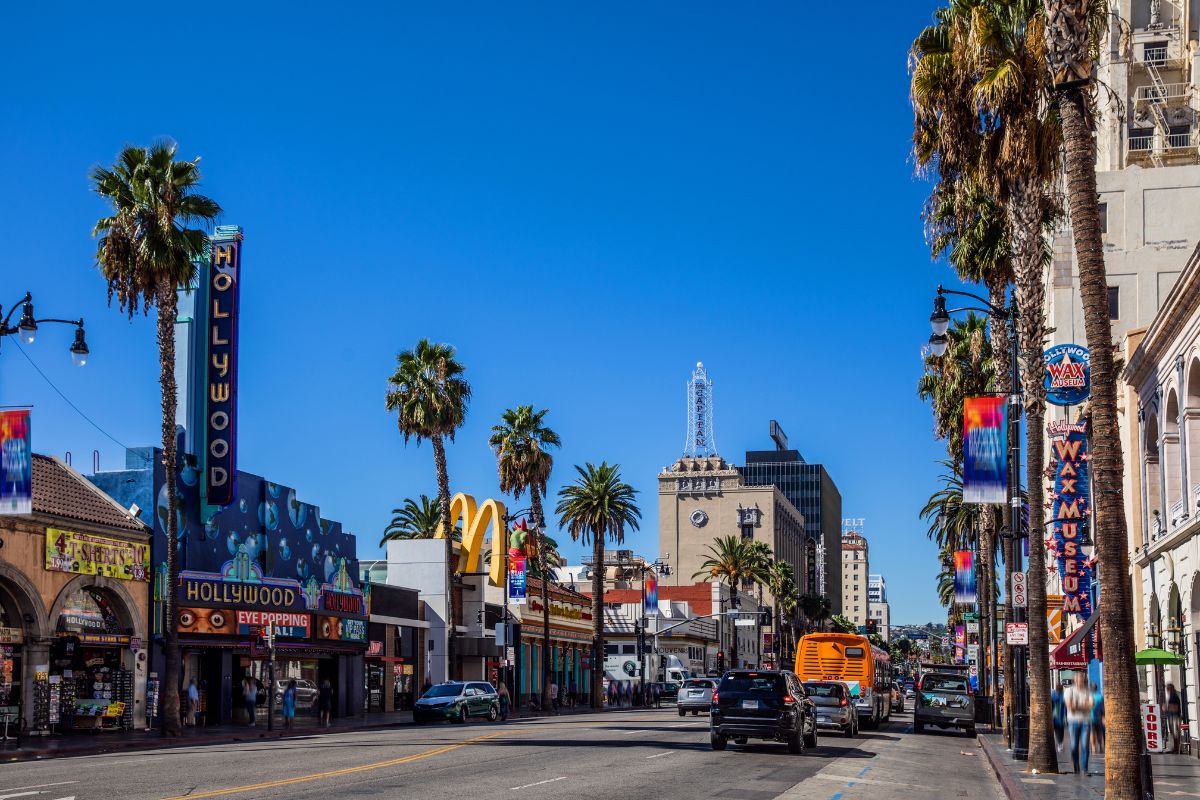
pixel 700 442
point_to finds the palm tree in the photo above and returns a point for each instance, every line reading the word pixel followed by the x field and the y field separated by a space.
pixel 1072 37
pixel 521 442
pixel 781 581
pixel 598 505
pixel 148 251
pixel 735 562
pixel 417 519
pixel 430 397
pixel 816 609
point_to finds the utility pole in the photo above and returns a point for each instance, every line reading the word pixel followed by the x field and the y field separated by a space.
pixel 270 677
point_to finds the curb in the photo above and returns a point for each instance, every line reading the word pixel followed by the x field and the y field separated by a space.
pixel 1012 788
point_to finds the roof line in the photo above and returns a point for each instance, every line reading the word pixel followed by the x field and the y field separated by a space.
pixel 96 490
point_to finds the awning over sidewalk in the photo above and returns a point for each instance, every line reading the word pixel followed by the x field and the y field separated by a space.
pixel 1072 652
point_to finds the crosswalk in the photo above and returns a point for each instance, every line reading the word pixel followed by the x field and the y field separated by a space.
pixel 41 791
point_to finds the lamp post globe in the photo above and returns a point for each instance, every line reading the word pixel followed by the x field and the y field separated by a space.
pixel 27 327
pixel 938 343
pixel 79 348
pixel 939 320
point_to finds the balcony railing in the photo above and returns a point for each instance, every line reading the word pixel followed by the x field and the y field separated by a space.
pixel 1176 141
pixel 1156 55
pixel 1141 143
pixel 1168 91
pixel 1196 495
pixel 1178 513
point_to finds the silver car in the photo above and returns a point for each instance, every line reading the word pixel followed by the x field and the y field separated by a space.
pixel 695 695
pixel 834 708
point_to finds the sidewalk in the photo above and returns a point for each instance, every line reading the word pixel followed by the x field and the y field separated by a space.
pixel 41 747
pixel 1173 775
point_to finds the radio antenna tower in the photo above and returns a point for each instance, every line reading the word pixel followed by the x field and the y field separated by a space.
pixel 700 442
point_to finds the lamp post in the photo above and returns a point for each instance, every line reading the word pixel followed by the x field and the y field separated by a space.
pixel 939 321
pixel 26 328
pixel 509 519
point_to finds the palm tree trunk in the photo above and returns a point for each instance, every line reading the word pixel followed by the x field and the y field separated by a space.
pixel 535 502
pixel 597 620
pixel 1122 766
pixel 998 332
pixel 733 647
pixel 985 598
pixel 168 310
pixel 443 481
pixel 1025 207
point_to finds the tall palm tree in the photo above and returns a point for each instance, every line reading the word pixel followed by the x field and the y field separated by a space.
pixel 735 562
pixel 781 581
pixel 430 397
pixel 598 506
pixel 147 251
pixel 1072 38
pixel 816 609
pixel 521 442
pixel 417 519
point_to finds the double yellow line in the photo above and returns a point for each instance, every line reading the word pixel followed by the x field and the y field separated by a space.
pixel 338 772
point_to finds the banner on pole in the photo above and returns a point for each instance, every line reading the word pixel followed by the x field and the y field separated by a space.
pixel 985 450
pixel 16 463
pixel 516 580
pixel 964 577
pixel 651 593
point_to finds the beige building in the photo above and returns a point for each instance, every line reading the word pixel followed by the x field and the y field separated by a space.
pixel 1163 482
pixel 855 572
pixel 702 499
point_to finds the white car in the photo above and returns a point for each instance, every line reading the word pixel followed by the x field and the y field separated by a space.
pixel 695 695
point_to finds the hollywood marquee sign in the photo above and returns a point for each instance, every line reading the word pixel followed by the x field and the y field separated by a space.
pixel 220 391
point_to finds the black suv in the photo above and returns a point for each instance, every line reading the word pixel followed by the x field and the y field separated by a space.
pixel 762 704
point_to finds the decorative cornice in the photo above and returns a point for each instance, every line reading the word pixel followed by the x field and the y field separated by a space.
pixel 1176 310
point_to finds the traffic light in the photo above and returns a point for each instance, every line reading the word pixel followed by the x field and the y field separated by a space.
pixel 720 661
pixel 872 626
pixel 765 612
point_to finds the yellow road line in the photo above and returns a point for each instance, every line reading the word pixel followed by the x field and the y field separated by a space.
pixel 337 772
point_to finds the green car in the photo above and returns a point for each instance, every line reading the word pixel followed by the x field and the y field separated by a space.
pixel 457 701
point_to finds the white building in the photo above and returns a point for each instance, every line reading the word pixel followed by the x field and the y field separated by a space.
pixel 879 608
pixel 855 599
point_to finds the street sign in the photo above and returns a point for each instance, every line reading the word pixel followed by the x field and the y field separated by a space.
pixel 1020 598
pixel 970 615
pixel 1016 632
pixel 745 623
pixel 1152 728
pixel 972 627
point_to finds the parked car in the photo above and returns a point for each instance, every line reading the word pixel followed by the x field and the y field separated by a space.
pixel 897 698
pixel 457 701
pixel 910 690
pixel 306 694
pixel 762 704
pixel 944 699
pixel 696 695
pixel 834 710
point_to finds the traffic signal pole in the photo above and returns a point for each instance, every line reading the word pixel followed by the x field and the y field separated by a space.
pixel 270 678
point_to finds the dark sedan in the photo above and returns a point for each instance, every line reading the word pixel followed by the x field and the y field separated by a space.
pixel 762 704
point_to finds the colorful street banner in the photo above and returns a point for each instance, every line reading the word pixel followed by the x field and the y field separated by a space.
pixel 16 463
pixel 516 580
pixel 1071 517
pixel 651 593
pixel 960 644
pixel 1068 374
pixel 985 450
pixel 964 577
pixel 89 554
pixel 221 313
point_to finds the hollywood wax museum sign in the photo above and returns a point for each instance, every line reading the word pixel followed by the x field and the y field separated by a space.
pixel 1071 516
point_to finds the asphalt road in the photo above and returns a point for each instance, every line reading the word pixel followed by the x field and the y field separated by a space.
pixel 614 755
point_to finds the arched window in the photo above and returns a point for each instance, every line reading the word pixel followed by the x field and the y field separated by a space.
pixel 1172 466
pixel 1152 469
pixel 1191 418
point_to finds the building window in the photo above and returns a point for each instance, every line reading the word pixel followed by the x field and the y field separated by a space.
pixel 1103 209
pixel 1141 139
pixel 1155 53
pixel 1179 136
pixel 1114 302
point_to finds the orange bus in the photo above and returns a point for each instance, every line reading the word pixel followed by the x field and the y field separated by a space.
pixel 851 658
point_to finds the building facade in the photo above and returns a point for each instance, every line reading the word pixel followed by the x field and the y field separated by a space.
pixel 74 606
pixel 855 597
pixel 814 494
pixel 880 611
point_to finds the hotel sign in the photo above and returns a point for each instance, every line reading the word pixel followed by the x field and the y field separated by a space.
pixel 221 333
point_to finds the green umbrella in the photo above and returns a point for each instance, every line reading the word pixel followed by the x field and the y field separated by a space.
pixel 1155 655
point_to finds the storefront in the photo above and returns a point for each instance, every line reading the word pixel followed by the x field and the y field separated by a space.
pixel 570 641
pixel 74 586
pixel 393 669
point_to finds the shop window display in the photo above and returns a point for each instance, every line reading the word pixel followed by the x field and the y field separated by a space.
pixel 94 689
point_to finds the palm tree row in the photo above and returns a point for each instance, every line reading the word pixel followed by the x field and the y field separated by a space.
pixel 743 565
pixel 1003 94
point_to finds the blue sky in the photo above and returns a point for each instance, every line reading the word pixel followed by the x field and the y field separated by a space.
pixel 584 201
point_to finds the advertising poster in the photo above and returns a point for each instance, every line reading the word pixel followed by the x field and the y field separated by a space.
pixel 964 577
pixel 1068 374
pixel 16 463
pixel 985 450
pixel 1071 515
pixel 516 581
pixel 88 554
pixel 651 593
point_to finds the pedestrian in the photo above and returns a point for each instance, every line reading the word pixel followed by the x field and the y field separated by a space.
pixel 554 695
pixel 572 692
pixel 325 702
pixel 193 698
pixel 1172 714
pixel 289 705
pixel 1079 700
pixel 612 693
pixel 250 696
pixel 1098 730
pixel 504 700
pixel 1059 711
pixel 657 695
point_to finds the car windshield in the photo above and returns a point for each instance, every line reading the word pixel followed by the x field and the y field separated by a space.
pixel 750 682
pixel 824 690
pixel 939 684
pixel 694 684
pixel 445 690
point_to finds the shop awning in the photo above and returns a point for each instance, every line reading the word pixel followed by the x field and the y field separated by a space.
pixel 1072 652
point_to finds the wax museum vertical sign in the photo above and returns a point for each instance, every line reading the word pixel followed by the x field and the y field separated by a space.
pixel 985 450
pixel 220 385
pixel 16 463
pixel 1071 515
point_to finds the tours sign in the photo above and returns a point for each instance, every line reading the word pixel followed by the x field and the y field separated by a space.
pixel 1068 374
pixel 1071 514
pixel 220 312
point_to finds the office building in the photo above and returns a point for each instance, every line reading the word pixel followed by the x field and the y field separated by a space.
pixel 855 597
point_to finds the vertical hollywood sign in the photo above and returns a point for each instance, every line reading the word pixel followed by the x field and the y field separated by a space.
pixel 1071 515
pixel 220 446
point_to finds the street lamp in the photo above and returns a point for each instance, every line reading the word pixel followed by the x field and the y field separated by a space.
pixel 939 321
pixel 27 327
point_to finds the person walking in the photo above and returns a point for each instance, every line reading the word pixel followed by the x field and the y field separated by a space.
pixel 505 700
pixel 250 697
pixel 572 692
pixel 193 698
pixel 1097 719
pixel 325 702
pixel 289 705
pixel 1173 714
pixel 1079 700
pixel 1059 711
pixel 554 695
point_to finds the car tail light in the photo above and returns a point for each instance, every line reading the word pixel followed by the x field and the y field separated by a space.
pixel 844 702
pixel 716 696
pixel 787 698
